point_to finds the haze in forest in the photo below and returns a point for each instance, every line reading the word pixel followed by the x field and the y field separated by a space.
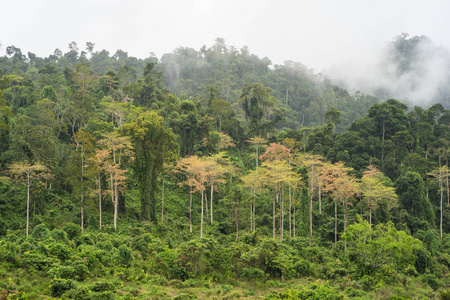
pixel 409 68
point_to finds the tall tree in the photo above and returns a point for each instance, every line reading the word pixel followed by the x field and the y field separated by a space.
pixel 440 174
pixel 116 147
pixel 84 145
pixel 153 145
pixel 341 186
pixel 28 173
pixel 374 190
pixel 314 163
pixel 255 100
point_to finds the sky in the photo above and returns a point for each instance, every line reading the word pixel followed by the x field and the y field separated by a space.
pixel 317 33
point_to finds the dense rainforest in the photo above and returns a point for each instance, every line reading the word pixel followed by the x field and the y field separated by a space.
pixel 213 174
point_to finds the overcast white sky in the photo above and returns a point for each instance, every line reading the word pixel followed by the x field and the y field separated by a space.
pixel 317 33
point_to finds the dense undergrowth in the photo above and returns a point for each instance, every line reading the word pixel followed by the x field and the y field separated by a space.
pixel 146 261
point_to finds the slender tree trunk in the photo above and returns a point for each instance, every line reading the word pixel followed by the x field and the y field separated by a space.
pixel 211 205
pixel 335 224
pixel 344 204
pixel 162 202
pixel 190 210
pixel 370 216
pixel 290 211
pixel 28 202
pixel 442 190
pixel 201 220
pixel 441 206
pixel 310 220
pixel 294 221
pixel 82 190
pixel 237 219
pixel 254 216
pixel 320 199
pixel 281 217
pixel 273 213
pixel 116 200
pixel 100 201
pixel 251 217
pixel 206 202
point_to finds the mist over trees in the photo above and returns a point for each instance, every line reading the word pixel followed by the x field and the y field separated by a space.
pixel 410 69
pixel 214 171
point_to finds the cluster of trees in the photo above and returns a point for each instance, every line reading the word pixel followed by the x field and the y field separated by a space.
pixel 104 142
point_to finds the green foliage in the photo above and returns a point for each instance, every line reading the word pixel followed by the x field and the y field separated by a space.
pixel 381 248
pixel 60 286
pixel 72 230
pixel 184 104
pixel 316 291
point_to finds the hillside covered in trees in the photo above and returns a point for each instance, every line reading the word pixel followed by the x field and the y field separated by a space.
pixel 212 173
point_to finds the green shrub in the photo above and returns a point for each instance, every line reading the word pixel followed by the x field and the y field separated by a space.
pixel 60 286
pixel 445 295
pixel 253 274
pixel 125 256
pixel 37 261
pixel 226 288
pixel 59 236
pixel 185 296
pixel 72 230
pixel 303 268
pixel 40 232
pixel 61 251
pixel 64 272
pixel 103 287
pixel 85 239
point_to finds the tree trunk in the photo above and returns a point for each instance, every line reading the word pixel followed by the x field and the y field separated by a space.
pixel 251 217
pixel 273 215
pixel 190 210
pixel 162 202
pixel 441 206
pixel 290 211
pixel 100 201
pixel 281 217
pixel 294 221
pixel 442 190
pixel 211 205
pixel 201 220
pixel 310 220
pixel 344 204
pixel 237 219
pixel 116 200
pixel 335 224
pixel 82 190
pixel 320 199
pixel 254 216
pixel 28 202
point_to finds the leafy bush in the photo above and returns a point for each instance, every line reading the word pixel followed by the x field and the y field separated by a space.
pixel 37 261
pixel 317 291
pixel 125 256
pixel 303 268
pixel 60 286
pixel 253 274
pixel 64 272
pixel 61 251
pixel 40 232
pixel 59 236
pixel 72 230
